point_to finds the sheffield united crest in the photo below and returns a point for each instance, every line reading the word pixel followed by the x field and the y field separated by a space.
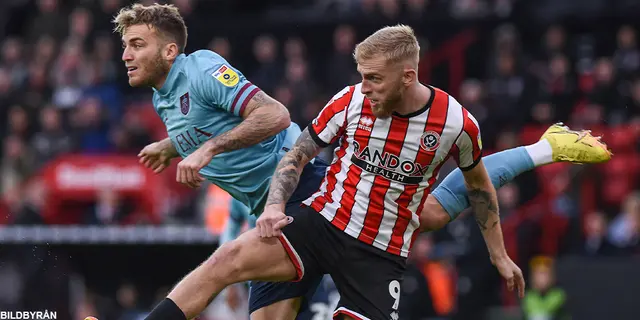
pixel 184 103
pixel 430 141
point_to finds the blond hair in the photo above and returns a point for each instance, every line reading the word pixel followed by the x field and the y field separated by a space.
pixel 397 43
pixel 164 18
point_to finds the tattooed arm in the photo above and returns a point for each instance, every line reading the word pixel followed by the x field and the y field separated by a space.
pixel 484 202
pixel 263 117
pixel 284 183
pixel 285 180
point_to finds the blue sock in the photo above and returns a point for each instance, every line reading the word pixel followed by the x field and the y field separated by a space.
pixel 502 167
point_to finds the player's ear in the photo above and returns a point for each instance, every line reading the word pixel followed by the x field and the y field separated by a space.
pixel 409 77
pixel 171 51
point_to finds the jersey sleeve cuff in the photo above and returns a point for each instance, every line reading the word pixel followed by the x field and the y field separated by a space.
pixel 315 137
pixel 242 98
pixel 474 164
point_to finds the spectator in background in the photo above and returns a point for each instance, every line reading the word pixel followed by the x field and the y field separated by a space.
pixel 16 164
pixel 631 110
pixel 302 88
pixel 80 25
pixel 474 98
pixel 555 43
pixel 12 53
pixel 605 91
pixel 624 232
pixel 340 68
pixel 103 12
pixel 70 74
pixel 127 297
pixel 559 85
pixel 543 114
pixel 18 123
pixel 508 199
pixel 627 56
pixel 596 242
pixel 544 299
pixel 90 127
pixel 38 90
pixel 44 51
pixel 295 49
pixel 52 140
pixel 111 208
pixel 221 46
pixel 102 65
pixel 265 50
pixel 505 91
pixel 6 95
pixel 49 20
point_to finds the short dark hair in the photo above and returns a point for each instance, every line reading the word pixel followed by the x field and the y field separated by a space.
pixel 164 18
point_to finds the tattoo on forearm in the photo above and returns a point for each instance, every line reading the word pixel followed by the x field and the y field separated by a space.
pixel 484 207
pixel 251 130
pixel 260 98
pixel 287 175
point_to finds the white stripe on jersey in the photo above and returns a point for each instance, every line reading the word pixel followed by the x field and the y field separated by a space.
pixel 452 128
pixel 414 132
pixel 327 132
pixel 352 111
pixel 379 133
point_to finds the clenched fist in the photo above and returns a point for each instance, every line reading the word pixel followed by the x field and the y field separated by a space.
pixel 189 168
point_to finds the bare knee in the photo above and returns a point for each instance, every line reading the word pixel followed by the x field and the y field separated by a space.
pixel 223 264
pixel 434 216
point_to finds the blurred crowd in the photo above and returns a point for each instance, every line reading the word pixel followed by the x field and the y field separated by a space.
pixel 63 90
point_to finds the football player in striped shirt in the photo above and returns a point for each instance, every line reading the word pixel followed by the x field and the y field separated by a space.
pixel 393 135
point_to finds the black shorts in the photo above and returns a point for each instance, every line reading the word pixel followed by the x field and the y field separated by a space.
pixel 368 279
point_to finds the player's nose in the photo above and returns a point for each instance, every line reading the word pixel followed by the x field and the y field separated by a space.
pixel 364 88
pixel 126 55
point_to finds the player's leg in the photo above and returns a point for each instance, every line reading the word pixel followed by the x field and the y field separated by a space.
pixel 285 300
pixel 263 295
pixel 247 258
pixel 368 280
pixel 282 300
pixel 283 309
pixel 557 144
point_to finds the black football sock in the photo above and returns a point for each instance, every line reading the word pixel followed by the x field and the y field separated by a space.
pixel 166 310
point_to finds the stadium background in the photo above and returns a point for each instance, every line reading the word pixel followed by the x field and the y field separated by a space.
pixel 71 128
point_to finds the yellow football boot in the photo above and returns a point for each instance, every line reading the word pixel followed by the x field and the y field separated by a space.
pixel 578 147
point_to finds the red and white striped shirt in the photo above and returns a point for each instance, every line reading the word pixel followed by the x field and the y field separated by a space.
pixel 383 169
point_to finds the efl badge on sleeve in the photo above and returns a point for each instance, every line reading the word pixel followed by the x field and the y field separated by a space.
pixel 226 76
pixel 184 103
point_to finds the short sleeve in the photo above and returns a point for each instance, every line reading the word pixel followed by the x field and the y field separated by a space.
pixel 331 122
pixel 468 147
pixel 220 85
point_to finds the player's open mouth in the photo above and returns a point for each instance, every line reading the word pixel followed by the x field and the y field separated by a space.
pixel 131 69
